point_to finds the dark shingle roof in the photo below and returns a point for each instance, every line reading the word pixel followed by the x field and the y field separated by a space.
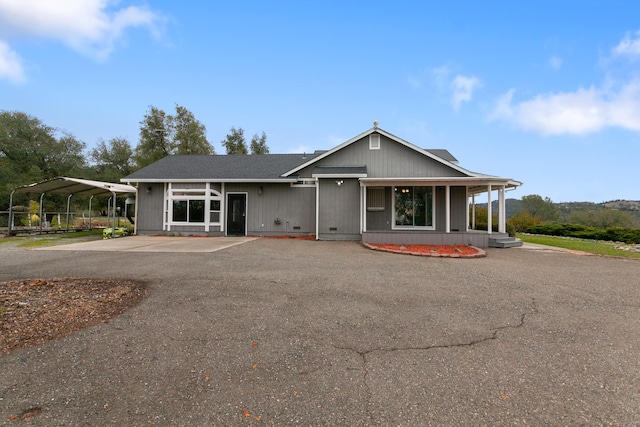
pixel 442 153
pixel 251 167
pixel 220 167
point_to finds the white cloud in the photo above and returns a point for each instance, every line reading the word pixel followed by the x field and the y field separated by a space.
pixel 92 27
pixel 581 112
pixel 10 64
pixel 612 104
pixel 441 76
pixel 555 62
pixel 628 46
pixel 463 88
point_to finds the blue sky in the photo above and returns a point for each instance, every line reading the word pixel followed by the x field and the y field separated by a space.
pixel 545 92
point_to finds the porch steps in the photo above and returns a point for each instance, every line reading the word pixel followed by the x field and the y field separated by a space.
pixel 504 242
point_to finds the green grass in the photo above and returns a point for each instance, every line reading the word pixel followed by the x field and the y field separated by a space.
pixel 53 239
pixel 590 246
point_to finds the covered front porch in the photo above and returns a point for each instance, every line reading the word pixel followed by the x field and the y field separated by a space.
pixel 443 214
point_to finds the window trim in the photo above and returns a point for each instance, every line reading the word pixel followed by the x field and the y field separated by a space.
pixel 174 193
pixel 374 141
pixel 370 199
pixel 394 226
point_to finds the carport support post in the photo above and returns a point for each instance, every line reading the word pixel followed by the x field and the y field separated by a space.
pixel 113 228
pixel 90 200
pixel 41 197
pixel 68 204
pixel 10 213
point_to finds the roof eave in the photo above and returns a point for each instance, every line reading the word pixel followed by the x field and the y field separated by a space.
pixel 234 180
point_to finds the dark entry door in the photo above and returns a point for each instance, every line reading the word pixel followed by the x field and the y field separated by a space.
pixel 236 214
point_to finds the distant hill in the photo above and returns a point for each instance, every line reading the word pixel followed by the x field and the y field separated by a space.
pixel 567 208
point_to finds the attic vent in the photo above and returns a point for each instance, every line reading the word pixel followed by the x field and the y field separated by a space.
pixel 374 141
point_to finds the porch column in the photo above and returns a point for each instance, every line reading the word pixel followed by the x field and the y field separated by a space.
pixel 363 209
pixel 489 213
pixel 467 209
pixel 502 214
pixel 473 211
pixel 223 208
pixel 447 208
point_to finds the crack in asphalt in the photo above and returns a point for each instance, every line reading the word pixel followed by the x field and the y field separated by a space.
pixel 494 335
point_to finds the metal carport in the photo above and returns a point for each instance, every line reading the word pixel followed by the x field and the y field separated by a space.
pixel 69 187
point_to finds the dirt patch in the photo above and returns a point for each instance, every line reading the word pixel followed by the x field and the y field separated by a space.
pixel 38 310
pixel 451 251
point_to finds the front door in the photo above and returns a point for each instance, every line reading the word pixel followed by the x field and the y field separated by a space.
pixel 236 214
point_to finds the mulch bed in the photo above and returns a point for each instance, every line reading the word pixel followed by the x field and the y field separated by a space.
pixel 450 251
pixel 34 311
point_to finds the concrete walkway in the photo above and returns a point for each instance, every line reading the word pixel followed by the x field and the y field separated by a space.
pixel 154 244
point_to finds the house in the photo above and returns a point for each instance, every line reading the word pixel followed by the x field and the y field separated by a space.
pixel 375 187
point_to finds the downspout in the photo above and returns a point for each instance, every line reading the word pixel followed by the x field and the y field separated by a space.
pixel 10 212
pixel 317 208
pixel 68 205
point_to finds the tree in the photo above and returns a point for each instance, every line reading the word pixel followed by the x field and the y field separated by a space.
pixel 543 209
pixel 162 135
pixel 235 143
pixel 259 144
pixel 112 160
pixel 189 134
pixel 603 218
pixel 30 152
pixel 155 138
pixel 521 222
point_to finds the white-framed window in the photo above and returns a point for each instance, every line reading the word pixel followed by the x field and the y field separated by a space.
pixel 193 205
pixel 413 207
pixel 375 199
pixel 304 182
pixel 374 141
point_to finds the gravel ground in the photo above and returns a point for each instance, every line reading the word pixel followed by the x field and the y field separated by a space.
pixel 285 332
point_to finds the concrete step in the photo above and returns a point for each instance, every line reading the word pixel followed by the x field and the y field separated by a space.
pixel 504 242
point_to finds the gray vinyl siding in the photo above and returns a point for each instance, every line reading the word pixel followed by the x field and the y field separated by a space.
pixel 294 207
pixel 149 209
pixel 392 160
pixel 458 208
pixel 458 200
pixel 339 215
pixel 381 220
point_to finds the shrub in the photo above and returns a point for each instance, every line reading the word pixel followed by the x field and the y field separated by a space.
pixel 616 234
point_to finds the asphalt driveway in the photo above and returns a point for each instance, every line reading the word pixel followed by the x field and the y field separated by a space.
pixel 290 332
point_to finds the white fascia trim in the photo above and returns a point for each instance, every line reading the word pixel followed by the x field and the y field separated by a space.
pixel 248 181
pixel 339 175
pixel 441 180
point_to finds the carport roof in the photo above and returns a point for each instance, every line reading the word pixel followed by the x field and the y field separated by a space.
pixel 66 185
